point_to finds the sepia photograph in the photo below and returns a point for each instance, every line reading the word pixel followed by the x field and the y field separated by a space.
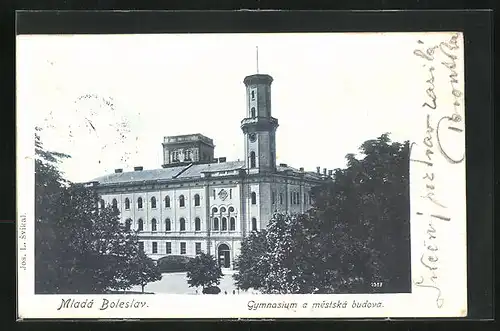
pixel 197 169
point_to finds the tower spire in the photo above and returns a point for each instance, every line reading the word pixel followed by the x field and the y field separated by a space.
pixel 257 51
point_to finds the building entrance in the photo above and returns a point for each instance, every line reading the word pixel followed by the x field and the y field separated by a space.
pixel 224 256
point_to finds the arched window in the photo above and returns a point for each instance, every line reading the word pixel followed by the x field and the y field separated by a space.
pixel 254 224
pixel 231 209
pixel 252 159
pixel 253 95
pixel 305 198
pixel 232 224
pixel 102 204
pixel 214 210
pixel 115 205
pixel 139 203
pixel 128 224
pixel 224 224
pixel 291 198
pixel 168 225
pixel 153 202
pixel 223 210
pixel 127 204
pixel 281 198
pixel 197 224
pixel 153 225
pixel 216 223
pixel 196 199
pixel 254 198
pixel 252 112
pixel 182 222
pixel 167 202
pixel 140 225
pixel 181 201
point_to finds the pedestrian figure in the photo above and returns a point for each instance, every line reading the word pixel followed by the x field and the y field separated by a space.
pixel 234 292
pixel 225 292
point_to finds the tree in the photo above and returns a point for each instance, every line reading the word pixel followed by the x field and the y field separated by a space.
pixel 203 271
pixel 79 248
pixel 356 234
pixel 143 270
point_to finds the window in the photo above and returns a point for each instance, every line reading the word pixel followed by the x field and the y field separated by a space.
pixel 140 225
pixel 224 224
pixel 153 202
pixel 230 193
pixel 127 204
pixel 213 191
pixel 141 245
pixel 168 225
pixel 196 200
pixel 252 159
pixel 254 224
pixel 281 198
pixel 197 224
pixel 310 199
pixel 168 247
pixel 102 204
pixel 231 209
pixel 115 205
pixel 223 210
pixel 182 224
pixel 298 198
pixel 253 95
pixel 187 156
pixel 214 210
pixel 155 247
pixel 128 224
pixel 139 203
pixel 216 223
pixel 181 201
pixel 167 202
pixel 305 198
pixel 273 197
pixel 232 224
pixel 254 198
pixel 183 248
pixel 252 112
pixel 153 225
pixel 197 248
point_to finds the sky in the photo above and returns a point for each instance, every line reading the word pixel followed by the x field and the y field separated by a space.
pixel 108 100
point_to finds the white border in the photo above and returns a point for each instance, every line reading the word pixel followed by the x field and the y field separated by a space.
pixel 440 244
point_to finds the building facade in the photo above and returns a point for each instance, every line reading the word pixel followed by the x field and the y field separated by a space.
pixel 198 203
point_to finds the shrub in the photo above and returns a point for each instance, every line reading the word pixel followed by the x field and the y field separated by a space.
pixel 211 290
pixel 173 263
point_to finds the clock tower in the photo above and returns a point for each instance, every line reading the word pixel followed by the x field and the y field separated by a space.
pixel 259 127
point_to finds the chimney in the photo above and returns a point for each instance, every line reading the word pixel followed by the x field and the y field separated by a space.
pixel 222 159
pixel 330 173
pixel 318 170
pixel 138 168
pixel 118 171
pixel 324 171
pixel 301 169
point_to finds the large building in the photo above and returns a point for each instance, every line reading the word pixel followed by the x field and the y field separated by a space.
pixel 199 203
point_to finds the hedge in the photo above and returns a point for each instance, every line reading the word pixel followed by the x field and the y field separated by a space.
pixel 173 263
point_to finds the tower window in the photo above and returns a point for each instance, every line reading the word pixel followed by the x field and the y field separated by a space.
pixel 232 224
pixel 127 204
pixel 254 224
pixel 182 224
pixel 167 202
pixel 168 225
pixel 139 203
pixel 252 112
pixel 254 198
pixel 213 191
pixel 197 224
pixel 153 202
pixel 253 95
pixel 154 226
pixel 216 223
pixel 252 159
pixel 181 201
pixel 230 193
pixel 196 199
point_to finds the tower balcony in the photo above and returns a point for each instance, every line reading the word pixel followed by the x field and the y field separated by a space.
pixel 259 124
